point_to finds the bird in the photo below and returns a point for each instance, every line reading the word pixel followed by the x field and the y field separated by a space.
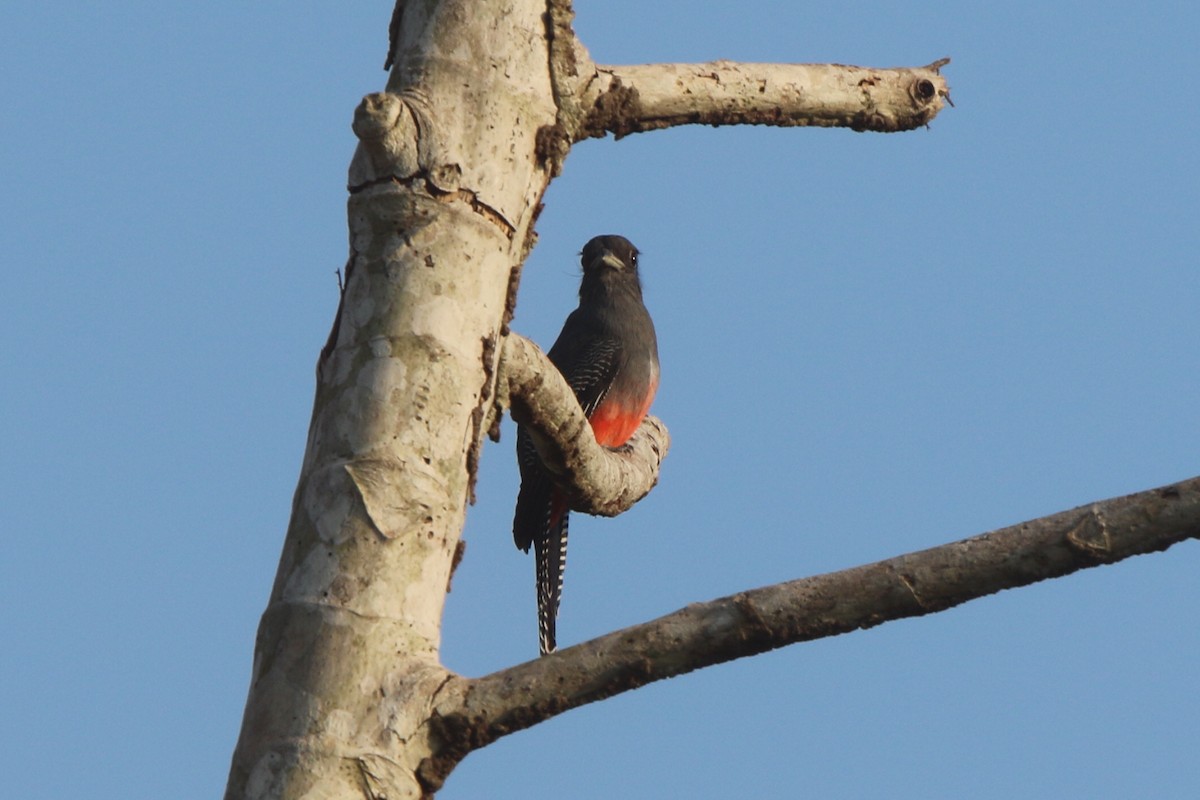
pixel 608 353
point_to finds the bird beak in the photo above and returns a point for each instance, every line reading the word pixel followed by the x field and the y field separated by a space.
pixel 607 259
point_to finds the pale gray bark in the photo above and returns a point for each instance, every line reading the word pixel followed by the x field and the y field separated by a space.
pixel 725 92
pixel 444 193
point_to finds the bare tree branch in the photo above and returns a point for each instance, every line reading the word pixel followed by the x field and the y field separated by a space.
pixel 473 713
pixel 597 480
pixel 594 100
pixel 630 99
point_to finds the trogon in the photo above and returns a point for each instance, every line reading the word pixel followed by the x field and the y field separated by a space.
pixel 608 353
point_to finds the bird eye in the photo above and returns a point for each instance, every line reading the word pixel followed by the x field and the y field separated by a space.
pixel 633 259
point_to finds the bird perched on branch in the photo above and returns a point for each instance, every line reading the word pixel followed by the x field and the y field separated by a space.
pixel 608 353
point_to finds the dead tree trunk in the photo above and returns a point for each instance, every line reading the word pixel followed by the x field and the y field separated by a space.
pixel 348 697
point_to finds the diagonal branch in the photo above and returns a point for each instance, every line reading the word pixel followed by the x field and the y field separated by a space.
pixel 630 99
pixel 597 480
pixel 475 712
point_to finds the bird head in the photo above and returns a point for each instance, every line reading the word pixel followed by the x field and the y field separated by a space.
pixel 609 252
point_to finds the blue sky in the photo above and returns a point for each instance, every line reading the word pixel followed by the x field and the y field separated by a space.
pixel 871 344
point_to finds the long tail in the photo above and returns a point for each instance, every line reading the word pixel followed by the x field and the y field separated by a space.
pixel 541 521
pixel 550 553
